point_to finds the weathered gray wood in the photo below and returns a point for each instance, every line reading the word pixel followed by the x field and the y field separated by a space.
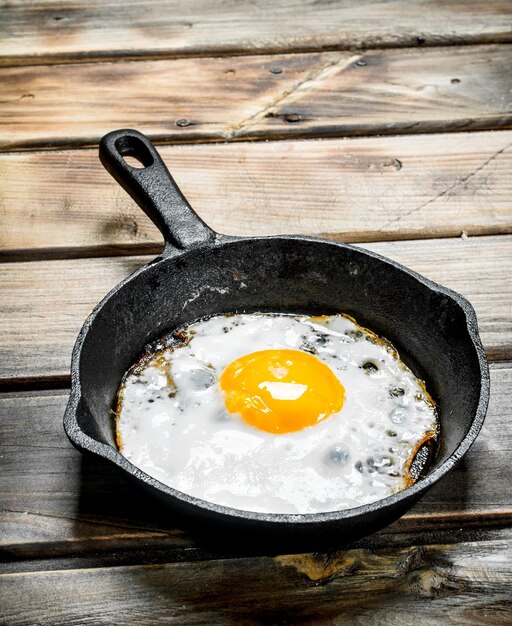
pixel 468 583
pixel 321 94
pixel 117 558
pixel 360 189
pixel 56 502
pixel 76 30
pixel 43 304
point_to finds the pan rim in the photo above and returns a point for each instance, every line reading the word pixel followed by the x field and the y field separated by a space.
pixel 84 442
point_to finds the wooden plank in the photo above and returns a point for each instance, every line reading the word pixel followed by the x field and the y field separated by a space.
pixel 58 204
pixel 76 30
pixel 321 94
pixel 43 304
pixel 56 502
pixel 469 582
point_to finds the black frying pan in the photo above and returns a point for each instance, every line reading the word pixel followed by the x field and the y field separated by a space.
pixel 201 273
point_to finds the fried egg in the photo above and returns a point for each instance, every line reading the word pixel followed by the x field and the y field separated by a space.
pixel 276 413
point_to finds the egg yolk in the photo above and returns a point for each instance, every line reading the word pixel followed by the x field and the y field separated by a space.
pixel 281 391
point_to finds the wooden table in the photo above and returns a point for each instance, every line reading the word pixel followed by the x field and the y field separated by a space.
pixel 380 123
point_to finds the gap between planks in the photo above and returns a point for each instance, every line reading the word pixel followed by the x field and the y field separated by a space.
pixel 59 558
pixel 156 55
pixel 30 255
pixel 79 31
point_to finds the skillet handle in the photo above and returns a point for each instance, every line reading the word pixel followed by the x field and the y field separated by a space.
pixel 153 189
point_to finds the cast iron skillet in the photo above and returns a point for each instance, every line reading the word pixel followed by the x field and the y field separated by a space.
pixel 201 273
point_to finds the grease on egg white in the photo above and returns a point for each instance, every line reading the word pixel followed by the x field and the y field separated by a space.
pixel 276 414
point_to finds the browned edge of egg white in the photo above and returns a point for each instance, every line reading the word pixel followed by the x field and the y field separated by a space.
pixel 182 337
pixel 430 440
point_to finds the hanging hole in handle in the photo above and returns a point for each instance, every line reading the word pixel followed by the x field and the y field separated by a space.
pixel 134 152
pixel 133 161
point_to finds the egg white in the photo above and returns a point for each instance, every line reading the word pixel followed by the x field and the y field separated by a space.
pixel 172 422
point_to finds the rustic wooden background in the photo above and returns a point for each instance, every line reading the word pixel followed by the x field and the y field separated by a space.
pixel 384 123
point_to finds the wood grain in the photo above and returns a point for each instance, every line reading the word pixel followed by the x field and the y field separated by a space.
pixel 77 30
pixel 469 582
pixel 43 304
pixel 325 94
pixel 77 545
pixel 54 501
pixel 63 204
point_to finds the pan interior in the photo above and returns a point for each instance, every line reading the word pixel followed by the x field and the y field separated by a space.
pixel 289 275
